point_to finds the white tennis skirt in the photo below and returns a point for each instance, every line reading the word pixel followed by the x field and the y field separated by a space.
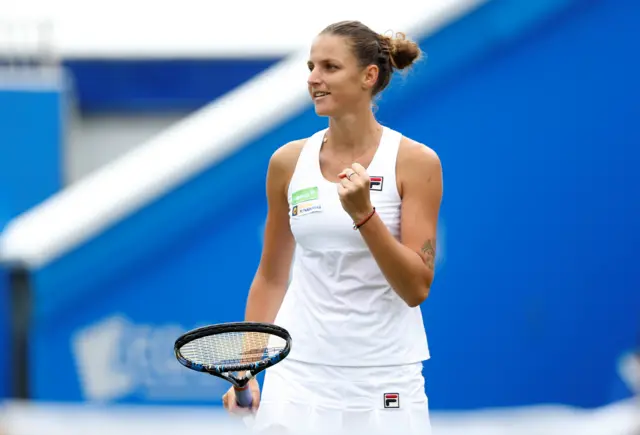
pixel 303 398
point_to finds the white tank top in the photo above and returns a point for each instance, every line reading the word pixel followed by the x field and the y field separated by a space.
pixel 339 307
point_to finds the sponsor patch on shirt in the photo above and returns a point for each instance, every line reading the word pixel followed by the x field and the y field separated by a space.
pixel 305 201
pixel 375 183
pixel 306 208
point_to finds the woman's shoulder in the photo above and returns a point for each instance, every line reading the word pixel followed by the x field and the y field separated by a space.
pixel 286 156
pixel 413 155
pixel 410 148
pixel 417 166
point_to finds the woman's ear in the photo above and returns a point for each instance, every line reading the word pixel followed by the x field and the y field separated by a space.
pixel 370 77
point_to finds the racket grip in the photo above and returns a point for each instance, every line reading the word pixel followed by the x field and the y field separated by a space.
pixel 244 398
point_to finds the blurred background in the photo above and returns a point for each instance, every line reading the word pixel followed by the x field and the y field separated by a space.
pixel 134 143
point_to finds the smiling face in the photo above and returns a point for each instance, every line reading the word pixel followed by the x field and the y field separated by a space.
pixel 337 82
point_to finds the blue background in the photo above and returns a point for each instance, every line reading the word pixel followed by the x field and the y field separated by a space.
pixel 532 112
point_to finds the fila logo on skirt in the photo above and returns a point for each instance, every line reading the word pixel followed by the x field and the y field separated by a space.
pixel 375 183
pixel 391 400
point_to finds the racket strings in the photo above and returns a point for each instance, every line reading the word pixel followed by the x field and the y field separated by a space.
pixel 233 348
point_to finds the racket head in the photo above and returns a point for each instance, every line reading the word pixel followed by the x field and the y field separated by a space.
pixel 225 348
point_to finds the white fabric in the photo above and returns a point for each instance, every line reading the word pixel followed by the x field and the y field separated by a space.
pixel 306 399
pixel 339 308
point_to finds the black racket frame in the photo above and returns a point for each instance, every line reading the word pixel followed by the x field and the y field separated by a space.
pixel 225 371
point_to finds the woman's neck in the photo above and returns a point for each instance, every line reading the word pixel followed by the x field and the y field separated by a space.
pixel 353 133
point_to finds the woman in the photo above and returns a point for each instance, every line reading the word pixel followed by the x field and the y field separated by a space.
pixel 359 203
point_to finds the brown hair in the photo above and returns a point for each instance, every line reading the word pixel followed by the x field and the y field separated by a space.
pixel 389 53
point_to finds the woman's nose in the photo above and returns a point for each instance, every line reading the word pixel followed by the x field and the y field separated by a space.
pixel 313 78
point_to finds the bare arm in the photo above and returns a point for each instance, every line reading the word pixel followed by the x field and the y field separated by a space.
pixel 271 279
pixel 409 265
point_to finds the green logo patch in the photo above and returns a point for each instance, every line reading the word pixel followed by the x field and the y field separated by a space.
pixel 308 194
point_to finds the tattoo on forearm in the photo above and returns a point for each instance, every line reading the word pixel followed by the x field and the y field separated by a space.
pixel 429 251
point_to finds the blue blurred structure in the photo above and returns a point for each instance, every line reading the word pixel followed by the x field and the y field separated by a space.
pixel 32 120
pixel 536 297
pixel 155 86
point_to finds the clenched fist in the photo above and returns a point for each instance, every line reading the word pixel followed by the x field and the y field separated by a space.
pixel 353 190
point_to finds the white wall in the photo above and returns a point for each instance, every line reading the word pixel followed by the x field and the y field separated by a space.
pixel 194 28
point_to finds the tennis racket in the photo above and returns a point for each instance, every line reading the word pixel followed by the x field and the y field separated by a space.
pixel 235 352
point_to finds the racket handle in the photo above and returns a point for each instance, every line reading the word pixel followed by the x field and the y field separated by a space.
pixel 244 398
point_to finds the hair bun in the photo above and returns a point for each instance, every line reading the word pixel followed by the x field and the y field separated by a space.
pixel 402 51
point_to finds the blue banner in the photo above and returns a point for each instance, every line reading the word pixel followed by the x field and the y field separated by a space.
pixel 535 297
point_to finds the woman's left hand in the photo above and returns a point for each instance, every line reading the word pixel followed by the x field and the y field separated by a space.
pixel 353 190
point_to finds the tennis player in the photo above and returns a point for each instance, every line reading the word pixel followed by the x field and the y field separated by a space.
pixel 353 210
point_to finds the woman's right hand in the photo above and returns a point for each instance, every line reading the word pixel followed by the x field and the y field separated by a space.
pixel 231 405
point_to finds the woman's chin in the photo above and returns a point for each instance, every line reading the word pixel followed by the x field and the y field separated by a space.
pixel 324 109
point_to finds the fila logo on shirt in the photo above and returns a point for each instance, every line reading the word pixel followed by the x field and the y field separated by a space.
pixel 375 183
pixel 391 400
